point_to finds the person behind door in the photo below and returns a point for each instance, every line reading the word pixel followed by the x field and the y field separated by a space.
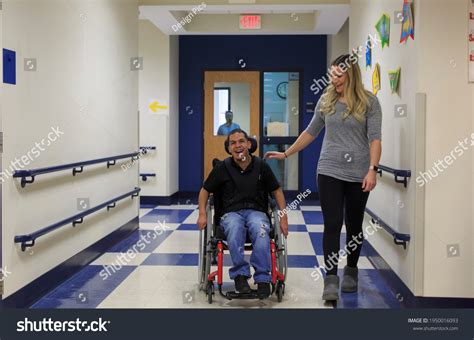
pixel 228 126
pixel 347 167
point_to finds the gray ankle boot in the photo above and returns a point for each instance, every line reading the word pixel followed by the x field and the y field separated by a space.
pixel 349 280
pixel 331 288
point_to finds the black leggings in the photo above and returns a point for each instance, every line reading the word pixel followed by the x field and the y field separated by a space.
pixel 341 199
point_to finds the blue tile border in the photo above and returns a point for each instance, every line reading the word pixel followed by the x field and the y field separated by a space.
pixel 32 292
pixel 87 289
pixel 403 293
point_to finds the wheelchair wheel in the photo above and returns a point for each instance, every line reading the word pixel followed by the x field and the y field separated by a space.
pixel 210 291
pixel 205 258
pixel 280 290
pixel 280 240
pixel 202 259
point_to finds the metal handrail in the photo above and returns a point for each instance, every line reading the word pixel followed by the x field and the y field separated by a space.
pixel 77 167
pixel 28 240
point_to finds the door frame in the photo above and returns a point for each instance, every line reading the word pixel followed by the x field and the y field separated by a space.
pixel 232 76
pixel 288 193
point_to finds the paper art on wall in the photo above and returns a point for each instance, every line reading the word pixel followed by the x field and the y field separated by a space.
pixel 376 79
pixel 383 29
pixel 471 41
pixel 394 77
pixel 407 23
pixel 368 53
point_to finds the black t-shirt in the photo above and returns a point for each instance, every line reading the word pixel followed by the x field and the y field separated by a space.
pixel 220 181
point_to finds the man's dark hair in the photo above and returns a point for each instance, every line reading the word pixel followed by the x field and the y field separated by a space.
pixel 237 131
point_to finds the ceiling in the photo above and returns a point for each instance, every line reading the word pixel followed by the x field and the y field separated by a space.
pixel 222 17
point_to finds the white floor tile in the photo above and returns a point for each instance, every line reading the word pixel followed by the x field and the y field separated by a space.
pixel 310 208
pixel 118 258
pixel 315 228
pixel 295 217
pixel 143 212
pixel 180 242
pixel 319 228
pixel 178 288
pixel 299 244
pixel 177 207
pixel 151 226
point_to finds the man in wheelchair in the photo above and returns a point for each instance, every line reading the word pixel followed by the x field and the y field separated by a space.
pixel 244 181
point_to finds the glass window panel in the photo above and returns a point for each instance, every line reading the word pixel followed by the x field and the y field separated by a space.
pixel 281 104
pixel 285 171
pixel 235 97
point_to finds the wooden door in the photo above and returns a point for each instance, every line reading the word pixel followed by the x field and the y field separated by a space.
pixel 239 81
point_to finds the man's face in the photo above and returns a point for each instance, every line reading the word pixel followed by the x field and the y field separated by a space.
pixel 229 116
pixel 239 146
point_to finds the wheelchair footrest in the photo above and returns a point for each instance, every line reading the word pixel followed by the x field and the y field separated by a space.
pixel 235 295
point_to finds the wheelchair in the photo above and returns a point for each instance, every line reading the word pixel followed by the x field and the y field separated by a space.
pixel 212 245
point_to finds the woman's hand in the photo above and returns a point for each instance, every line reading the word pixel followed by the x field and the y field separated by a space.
pixel 370 181
pixel 274 154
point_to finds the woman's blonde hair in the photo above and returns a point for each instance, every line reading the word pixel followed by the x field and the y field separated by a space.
pixel 357 98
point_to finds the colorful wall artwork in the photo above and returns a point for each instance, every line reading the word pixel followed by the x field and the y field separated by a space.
pixel 383 29
pixel 408 29
pixel 471 41
pixel 376 79
pixel 394 77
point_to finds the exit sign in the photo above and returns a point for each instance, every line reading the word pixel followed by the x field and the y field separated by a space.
pixel 250 22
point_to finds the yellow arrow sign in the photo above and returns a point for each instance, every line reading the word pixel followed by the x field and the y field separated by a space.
pixel 155 106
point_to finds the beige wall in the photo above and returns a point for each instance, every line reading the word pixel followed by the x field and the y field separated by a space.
pixel 338 43
pixel 391 201
pixel 442 75
pixel 439 213
pixel 84 86
pixel 159 81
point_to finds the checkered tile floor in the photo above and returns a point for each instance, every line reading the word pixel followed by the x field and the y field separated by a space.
pixel 156 268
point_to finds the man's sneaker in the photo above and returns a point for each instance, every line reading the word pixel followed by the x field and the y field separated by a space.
pixel 241 284
pixel 263 290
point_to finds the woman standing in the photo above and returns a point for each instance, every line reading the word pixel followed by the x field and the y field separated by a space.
pixel 347 167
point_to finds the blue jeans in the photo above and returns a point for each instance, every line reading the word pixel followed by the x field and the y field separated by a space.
pixel 236 224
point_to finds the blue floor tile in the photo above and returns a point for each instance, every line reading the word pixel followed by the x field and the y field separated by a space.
pixel 297 227
pixel 166 215
pixel 313 217
pixel 302 261
pixel 156 259
pixel 86 289
pixel 317 242
pixel 188 227
pixel 372 293
pixel 147 206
